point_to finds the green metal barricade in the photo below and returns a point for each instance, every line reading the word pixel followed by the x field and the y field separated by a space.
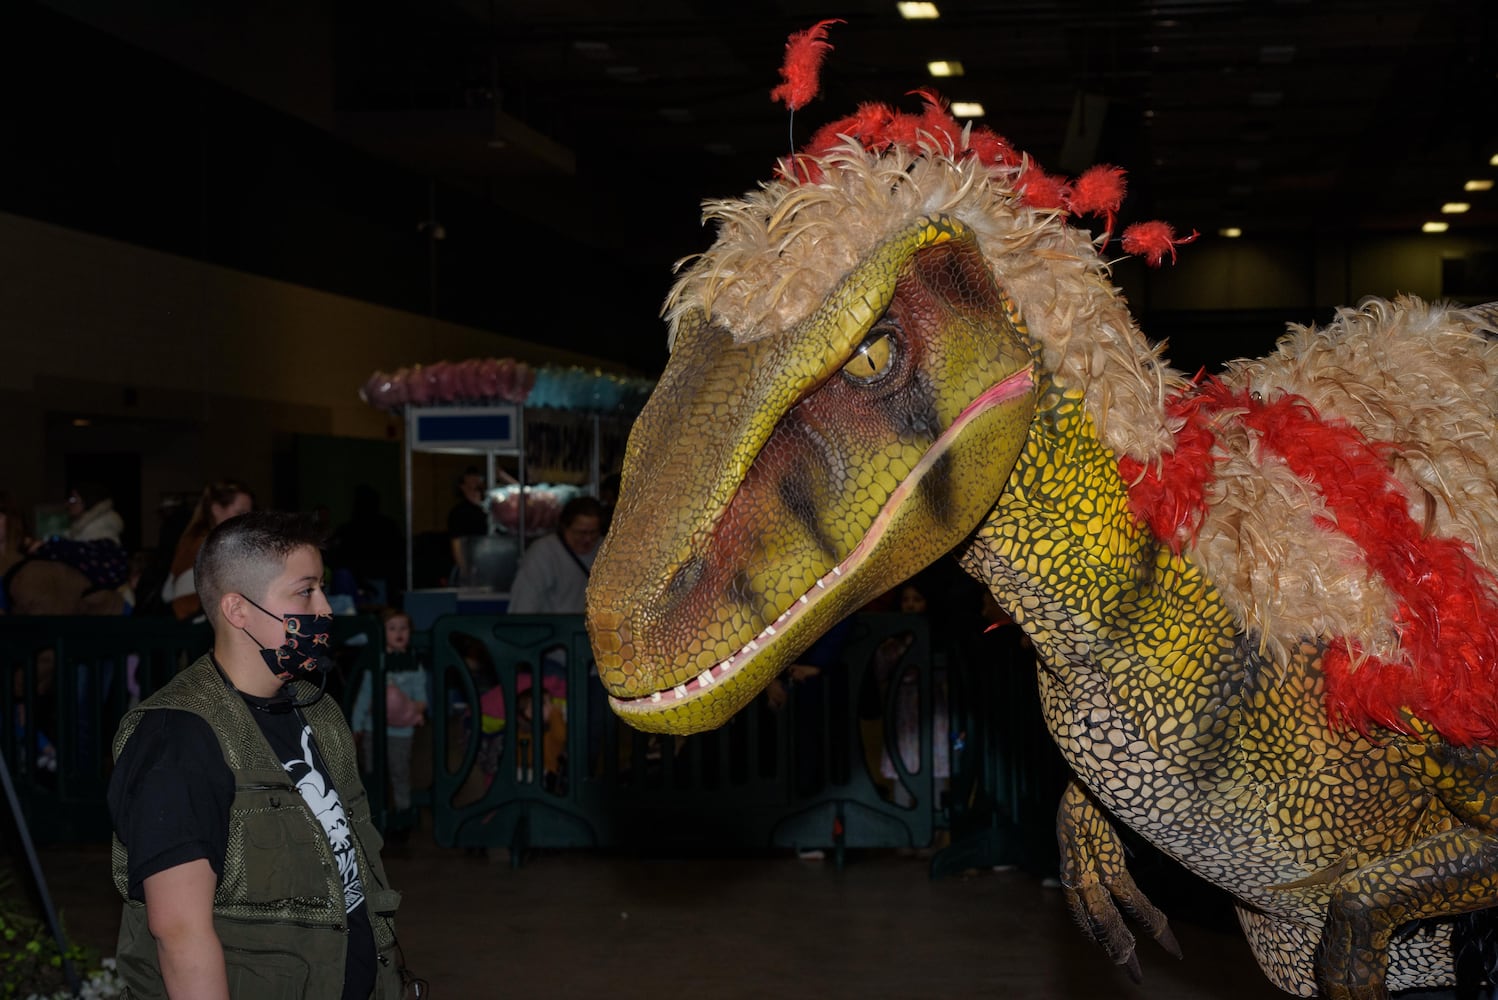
pixel 802 776
pixel 1007 774
pixel 848 762
pixel 70 679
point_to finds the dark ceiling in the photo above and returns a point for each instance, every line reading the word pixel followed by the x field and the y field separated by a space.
pixel 1273 116
pixel 608 121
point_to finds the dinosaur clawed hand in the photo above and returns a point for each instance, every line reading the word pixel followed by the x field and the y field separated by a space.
pixel 1099 890
pixel 1099 906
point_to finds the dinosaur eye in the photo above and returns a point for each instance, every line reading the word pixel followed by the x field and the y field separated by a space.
pixel 873 358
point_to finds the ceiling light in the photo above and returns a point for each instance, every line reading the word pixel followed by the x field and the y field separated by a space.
pixel 1493 160
pixel 1435 227
pixel 944 67
pixel 1455 207
pixel 1230 232
pixel 1478 186
pixel 967 109
pixel 918 11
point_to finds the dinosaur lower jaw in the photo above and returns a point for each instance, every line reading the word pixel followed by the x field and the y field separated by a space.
pixel 661 710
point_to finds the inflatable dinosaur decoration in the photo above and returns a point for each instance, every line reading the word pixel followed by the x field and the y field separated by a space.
pixel 1263 604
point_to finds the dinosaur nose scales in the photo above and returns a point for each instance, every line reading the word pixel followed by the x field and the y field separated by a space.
pixel 611 637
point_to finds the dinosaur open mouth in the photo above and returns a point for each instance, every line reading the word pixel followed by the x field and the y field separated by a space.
pixel 1015 386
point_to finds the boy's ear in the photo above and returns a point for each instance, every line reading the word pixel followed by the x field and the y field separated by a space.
pixel 234 609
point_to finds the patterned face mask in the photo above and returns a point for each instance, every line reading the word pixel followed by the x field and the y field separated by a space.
pixel 305 651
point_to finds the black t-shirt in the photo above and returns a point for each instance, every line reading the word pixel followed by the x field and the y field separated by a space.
pixel 466 519
pixel 170 795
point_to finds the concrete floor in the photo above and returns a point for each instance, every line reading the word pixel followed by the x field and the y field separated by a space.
pixel 582 924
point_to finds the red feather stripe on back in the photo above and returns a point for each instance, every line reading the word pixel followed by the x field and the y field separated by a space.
pixel 1171 497
pixel 1447 603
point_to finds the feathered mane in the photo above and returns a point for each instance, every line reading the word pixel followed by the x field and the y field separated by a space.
pixel 1376 539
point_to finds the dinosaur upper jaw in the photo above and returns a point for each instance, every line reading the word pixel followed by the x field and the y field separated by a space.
pixel 733 681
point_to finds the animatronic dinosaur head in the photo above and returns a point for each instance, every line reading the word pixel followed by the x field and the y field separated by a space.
pixel 850 383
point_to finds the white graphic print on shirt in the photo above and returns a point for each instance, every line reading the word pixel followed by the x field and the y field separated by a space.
pixel 322 798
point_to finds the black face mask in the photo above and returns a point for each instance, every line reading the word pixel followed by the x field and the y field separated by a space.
pixel 305 651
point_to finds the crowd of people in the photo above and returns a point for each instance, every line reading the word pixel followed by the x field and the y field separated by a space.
pixel 85 568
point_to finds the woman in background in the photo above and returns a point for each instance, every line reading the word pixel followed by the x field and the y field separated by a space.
pixel 220 501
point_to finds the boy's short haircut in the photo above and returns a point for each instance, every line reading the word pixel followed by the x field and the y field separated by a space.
pixel 245 553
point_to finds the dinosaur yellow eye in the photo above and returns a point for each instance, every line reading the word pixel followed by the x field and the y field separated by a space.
pixel 872 358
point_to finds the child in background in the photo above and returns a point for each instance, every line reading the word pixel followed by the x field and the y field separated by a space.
pixel 406 687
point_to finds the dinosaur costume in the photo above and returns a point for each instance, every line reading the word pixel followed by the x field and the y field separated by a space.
pixel 1263 605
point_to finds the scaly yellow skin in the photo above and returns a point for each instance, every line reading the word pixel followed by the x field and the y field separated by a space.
pixel 769 490
pixel 1222 760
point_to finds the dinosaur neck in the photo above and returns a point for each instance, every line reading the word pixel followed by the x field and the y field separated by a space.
pixel 1111 610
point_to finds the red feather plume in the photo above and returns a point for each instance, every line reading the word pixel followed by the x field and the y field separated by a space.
pixel 1099 191
pixel 804 52
pixel 991 148
pixel 1154 240
pixel 1040 190
pixel 878 127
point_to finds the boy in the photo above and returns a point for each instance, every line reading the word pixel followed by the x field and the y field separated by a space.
pixel 243 844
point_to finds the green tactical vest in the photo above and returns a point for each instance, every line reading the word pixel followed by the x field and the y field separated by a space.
pixel 279 909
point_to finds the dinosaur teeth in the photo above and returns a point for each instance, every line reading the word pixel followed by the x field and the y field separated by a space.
pixel 680 690
pixel 724 666
pixel 753 646
pixel 803 599
pixel 769 629
pixel 821 584
pixel 655 696
pixel 705 678
pixel 837 571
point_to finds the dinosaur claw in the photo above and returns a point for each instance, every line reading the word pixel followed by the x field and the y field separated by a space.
pixel 1168 942
pixel 1131 966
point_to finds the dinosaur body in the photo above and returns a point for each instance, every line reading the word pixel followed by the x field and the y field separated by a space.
pixel 892 352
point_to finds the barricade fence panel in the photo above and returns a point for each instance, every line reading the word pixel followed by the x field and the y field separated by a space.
pixel 558 769
pixel 70 679
pixel 895 738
